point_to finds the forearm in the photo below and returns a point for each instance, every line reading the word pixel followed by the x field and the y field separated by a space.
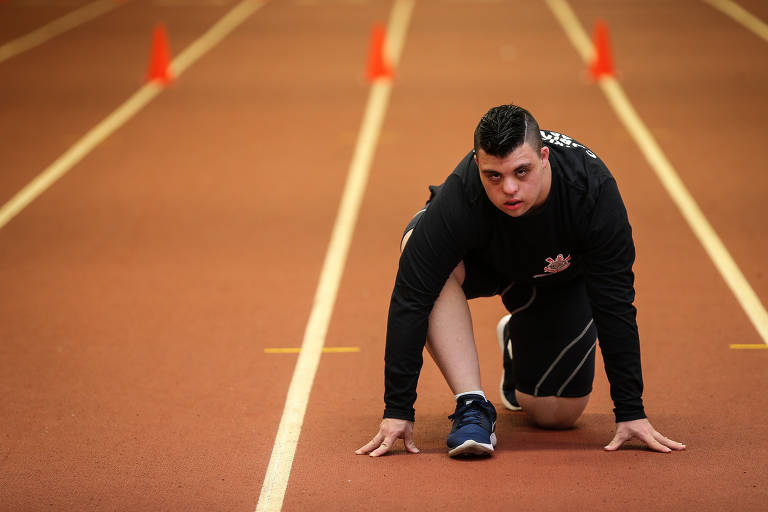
pixel 406 335
pixel 620 347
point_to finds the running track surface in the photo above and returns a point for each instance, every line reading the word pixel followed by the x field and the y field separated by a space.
pixel 140 291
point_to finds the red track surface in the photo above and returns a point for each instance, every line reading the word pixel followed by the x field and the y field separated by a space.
pixel 140 291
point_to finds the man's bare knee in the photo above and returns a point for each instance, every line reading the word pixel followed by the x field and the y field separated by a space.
pixel 459 272
pixel 405 239
pixel 552 412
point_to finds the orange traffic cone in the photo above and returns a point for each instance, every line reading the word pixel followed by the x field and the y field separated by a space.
pixel 160 57
pixel 378 63
pixel 602 62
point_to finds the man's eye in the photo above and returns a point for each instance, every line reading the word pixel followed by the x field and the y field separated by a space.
pixel 522 172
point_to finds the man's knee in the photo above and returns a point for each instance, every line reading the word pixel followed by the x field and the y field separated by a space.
pixel 404 241
pixel 553 412
pixel 459 272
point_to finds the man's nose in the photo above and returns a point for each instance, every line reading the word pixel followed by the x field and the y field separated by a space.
pixel 509 186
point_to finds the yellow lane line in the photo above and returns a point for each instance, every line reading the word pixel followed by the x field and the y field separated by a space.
pixel 668 176
pixel 124 112
pixel 56 27
pixel 741 15
pixel 287 438
pixel 296 350
pixel 749 345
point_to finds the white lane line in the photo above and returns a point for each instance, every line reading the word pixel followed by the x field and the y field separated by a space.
pixel 669 177
pixel 56 27
pixel 77 152
pixel 124 112
pixel 741 15
pixel 215 34
pixel 280 463
pixel 570 23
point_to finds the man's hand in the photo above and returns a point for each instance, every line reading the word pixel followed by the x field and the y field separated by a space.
pixel 391 430
pixel 644 431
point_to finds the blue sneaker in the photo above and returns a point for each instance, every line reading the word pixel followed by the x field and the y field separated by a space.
pixel 507 386
pixel 474 426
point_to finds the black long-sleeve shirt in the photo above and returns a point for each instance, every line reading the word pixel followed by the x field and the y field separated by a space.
pixel 583 217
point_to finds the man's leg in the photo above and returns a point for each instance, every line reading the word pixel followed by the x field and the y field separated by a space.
pixel 451 343
pixel 450 339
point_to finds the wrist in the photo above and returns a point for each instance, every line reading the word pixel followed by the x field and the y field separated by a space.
pixel 399 414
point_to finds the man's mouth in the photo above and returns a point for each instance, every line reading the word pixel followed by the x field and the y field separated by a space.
pixel 512 204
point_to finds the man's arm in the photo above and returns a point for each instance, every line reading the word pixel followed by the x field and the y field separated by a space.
pixel 608 258
pixel 610 284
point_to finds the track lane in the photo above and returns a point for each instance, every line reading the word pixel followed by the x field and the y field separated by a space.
pixel 54 28
pixel 746 15
pixel 289 431
pixel 721 168
pixel 685 311
pixel 51 96
pixel 128 109
pixel 147 283
pixel 18 18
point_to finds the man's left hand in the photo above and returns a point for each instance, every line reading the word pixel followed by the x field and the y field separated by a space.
pixel 644 431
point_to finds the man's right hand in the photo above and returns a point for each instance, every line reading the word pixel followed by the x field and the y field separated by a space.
pixel 390 430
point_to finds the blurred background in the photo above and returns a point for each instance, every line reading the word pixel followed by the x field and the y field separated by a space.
pixel 170 176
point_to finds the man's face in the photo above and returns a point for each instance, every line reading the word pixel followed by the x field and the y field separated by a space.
pixel 518 182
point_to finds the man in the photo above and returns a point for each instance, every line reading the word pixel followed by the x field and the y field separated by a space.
pixel 544 227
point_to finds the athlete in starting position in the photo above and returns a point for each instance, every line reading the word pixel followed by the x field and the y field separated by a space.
pixel 536 218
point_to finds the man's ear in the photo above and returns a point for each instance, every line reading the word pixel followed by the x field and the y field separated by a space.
pixel 544 154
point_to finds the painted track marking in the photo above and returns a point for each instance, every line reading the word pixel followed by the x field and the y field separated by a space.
pixel 749 346
pixel 56 27
pixel 741 15
pixel 296 350
pixel 667 174
pixel 124 112
pixel 287 438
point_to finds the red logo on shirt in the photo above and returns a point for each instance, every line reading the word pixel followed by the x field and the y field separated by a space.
pixel 558 264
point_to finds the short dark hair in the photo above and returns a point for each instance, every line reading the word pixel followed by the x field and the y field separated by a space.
pixel 502 129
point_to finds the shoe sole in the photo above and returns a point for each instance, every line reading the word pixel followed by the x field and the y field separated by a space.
pixel 472 448
pixel 500 338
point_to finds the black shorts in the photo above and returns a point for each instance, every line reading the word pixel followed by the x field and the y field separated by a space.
pixel 553 339
pixel 551 329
